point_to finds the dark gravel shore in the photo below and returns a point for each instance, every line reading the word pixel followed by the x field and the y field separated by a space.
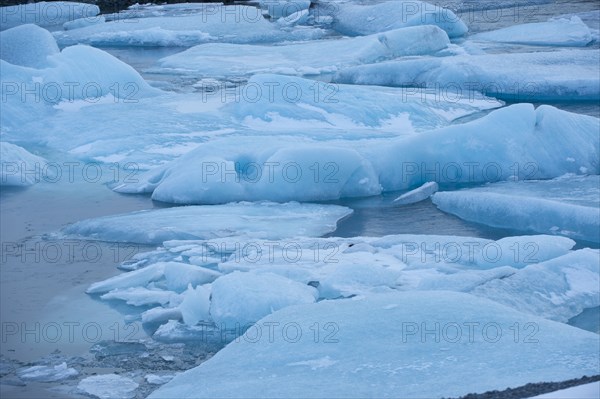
pixel 533 389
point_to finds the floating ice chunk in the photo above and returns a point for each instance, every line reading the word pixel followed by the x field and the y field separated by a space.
pixel 20 167
pixel 418 194
pixel 27 45
pixel 567 205
pixel 160 315
pixel 206 335
pixel 195 306
pixel 83 22
pixel 357 19
pixel 213 23
pixel 241 299
pixel 565 75
pixel 46 14
pixel 557 32
pixel 205 222
pixel 287 168
pixel 155 379
pixel 559 288
pixel 108 386
pixel 348 279
pixel 297 18
pixel 176 277
pixel 47 373
pixel 139 296
pixel 284 8
pixel 376 357
pixel 222 59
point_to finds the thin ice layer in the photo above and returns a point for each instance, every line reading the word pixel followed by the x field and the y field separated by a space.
pixel 262 220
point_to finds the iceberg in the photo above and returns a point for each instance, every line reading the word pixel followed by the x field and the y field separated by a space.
pixel 437 339
pixel 224 59
pixel 20 167
pixel 564 32
pixel 568 205
pixel 365 19
pixel 205 222
pixel 513 142
pixel 562 75
pixel 210 23
pixel 46 14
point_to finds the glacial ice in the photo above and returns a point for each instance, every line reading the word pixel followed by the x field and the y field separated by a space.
pixel 241 299
pixel 562 32
pixel 214 23
pixel 83 22
pixel 558 289
pixel 108 386
pixel 46 14
pixel 358 19
pixel 564 75
pixel 47 373
pixel 87 90
pixel 27 45
pixel 568 205
pixel 418 194
pixel 283 8
pixel 205 222
pixel 19 167
pixel 224 59
pixel 253 275
pixel 300 350
pixel 288 168
pixel 49 77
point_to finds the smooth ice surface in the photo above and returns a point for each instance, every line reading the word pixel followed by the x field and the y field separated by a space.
pixel 214 23
pixel 568 205
pixel 108 386
pixel 46 14
pixel 564 75
pixel 393 359
pixel 241 299
pixel 27 45
pixel 222 59
pixel 557 32
pixel 358 19
pixel 262 220
pixel 19 167
pixel 418 194
pixel 285 168
pixel 586 391
pixel 47 373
